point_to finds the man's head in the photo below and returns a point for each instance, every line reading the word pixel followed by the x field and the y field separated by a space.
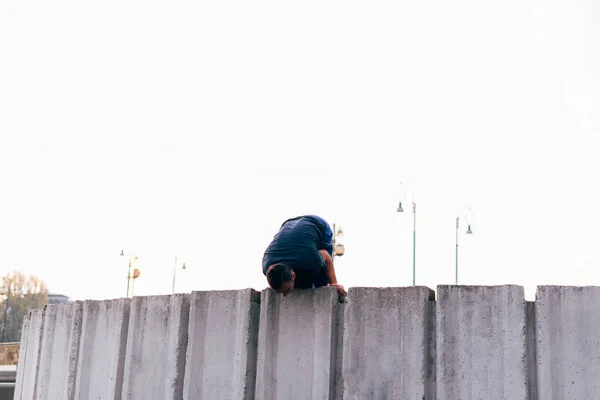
pixel 281 278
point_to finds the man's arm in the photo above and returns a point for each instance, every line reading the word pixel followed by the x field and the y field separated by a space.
pixel 330 272
pixel 329 269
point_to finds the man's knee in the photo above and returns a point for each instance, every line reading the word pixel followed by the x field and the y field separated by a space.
pixel 321 280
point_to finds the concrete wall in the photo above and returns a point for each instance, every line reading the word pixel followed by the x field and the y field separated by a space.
pixel 156 346
pixel 102 349
pixel 298 345
pixel 222 341
pixel 472 342
pixel 481 343
pixel 27 369
pixel 388 348
pixel 59 351
pixel 568 342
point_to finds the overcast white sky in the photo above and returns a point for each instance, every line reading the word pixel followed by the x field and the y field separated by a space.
pixel 193 129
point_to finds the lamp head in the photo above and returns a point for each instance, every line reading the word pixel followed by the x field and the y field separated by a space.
pixel 400 209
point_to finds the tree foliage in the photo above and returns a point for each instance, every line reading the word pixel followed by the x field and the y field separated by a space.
pixel 20 294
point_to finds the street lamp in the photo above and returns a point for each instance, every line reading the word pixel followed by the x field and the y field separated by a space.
pixel 468 218
pixel 129 276
pixel 338 242
pixel 136 274
pixel 400 209
pixel 175 272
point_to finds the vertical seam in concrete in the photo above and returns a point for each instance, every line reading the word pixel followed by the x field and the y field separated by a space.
pixel 316 312
pixel 39 352
pixel 530 340
pixel 202 342
pixel 503 321
pixel 240 320
pixel 336 356
pixel 252 345
pixel 275 342
pixel 120 375
pixel 73 360
pixel 198 315
pixel 431 356
pixel 22 357
pixel 181 350
pixel 130 345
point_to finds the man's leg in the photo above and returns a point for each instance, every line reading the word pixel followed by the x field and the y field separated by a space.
pixel 320 280
pixel 327 239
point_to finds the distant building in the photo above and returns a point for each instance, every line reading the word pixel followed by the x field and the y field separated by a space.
pixel 54 298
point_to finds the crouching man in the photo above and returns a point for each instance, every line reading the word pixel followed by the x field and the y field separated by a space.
pixel 300 256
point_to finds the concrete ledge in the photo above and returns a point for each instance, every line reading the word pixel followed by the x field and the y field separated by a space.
pixel 31 338
pixel 481 343
pixel 102 349
pixel 386 349
pixel 298 345
pixel 156 346
pixel 383 343
pixel 568 342
pixel 221 352
pixel 59 351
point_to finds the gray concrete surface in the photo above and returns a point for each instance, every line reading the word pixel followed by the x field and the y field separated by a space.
pixel 531 345
pixel 386 346
pixel 102 349
pixel 474 342
pixel 298 344
pixel 222 342
pixel 59 351
pixel 481 343
pixel 156 347
pixel 31 332
pixel 568 342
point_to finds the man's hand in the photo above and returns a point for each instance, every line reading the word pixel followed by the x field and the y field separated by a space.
pixel 340 289
pixel 330 273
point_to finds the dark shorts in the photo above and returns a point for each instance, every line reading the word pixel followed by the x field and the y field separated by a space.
pixel 321 279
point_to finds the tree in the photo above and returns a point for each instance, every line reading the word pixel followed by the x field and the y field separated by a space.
pixel 21 294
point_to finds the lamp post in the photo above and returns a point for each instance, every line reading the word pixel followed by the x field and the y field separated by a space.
pixel 469 232
pixel 338 242
pixel 175 273
pixel 129 276
pixel 414 209
pixel 136 274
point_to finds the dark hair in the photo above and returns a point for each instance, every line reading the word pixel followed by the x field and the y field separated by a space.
pixel 278 274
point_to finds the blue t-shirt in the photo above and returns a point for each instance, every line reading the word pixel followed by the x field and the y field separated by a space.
pixel 297 244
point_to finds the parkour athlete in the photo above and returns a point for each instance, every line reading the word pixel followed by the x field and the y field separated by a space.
pixel 300 256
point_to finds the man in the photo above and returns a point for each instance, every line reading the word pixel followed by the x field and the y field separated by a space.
pixel 300 256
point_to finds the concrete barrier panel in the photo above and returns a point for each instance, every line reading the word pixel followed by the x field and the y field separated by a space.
pixel 156 347
pixel 23 356
pixel 31 339
pixel 221 352
pixel 102 349
pixel 568 342
pixel 481 343
pixel 387 344
pixel 59 351
pixel 298 345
